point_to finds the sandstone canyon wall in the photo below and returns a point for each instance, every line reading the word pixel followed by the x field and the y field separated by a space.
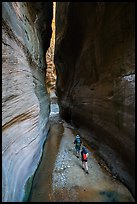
pixel 94 58
pixel 51 71
pixel 26 33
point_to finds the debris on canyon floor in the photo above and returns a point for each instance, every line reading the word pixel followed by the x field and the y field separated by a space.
pixel 62 179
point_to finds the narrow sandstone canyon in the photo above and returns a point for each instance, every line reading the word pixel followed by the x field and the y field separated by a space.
pixel 95 72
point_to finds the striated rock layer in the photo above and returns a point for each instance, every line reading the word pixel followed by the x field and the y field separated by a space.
pixel 94 58
pixel 26 33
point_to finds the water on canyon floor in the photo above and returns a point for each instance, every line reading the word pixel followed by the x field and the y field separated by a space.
pixel 60 176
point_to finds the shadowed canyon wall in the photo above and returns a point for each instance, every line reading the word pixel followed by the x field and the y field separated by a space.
pixel 94 58
pixel 26 33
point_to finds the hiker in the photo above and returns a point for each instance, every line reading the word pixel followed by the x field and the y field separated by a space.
pixel 77 143
pixel 84 158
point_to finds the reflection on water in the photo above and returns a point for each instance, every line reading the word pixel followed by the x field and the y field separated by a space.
pixel 41 188
pixel 114 196
pixel 99 186
pixel 54 109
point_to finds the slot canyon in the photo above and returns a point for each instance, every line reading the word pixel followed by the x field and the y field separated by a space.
pixel 81 57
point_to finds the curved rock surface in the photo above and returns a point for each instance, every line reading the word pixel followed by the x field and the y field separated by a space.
pixel 26 33
pixel 94 58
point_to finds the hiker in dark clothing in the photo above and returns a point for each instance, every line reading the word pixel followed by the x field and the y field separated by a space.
pixel 77 143
pixel 84 158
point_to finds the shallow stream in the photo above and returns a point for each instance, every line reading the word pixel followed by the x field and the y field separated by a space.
pixel 60 177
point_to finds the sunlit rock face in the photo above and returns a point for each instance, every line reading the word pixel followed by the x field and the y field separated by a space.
pixel 94 58
pixel 26 32
pixel 51 71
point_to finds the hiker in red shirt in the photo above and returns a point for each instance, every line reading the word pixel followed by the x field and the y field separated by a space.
pixel 84 158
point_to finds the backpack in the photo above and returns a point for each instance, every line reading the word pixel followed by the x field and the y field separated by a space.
pixel 78 142
pixel 84 156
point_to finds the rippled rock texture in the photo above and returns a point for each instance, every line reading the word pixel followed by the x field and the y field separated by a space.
pixel 94 58
pixel 26 32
